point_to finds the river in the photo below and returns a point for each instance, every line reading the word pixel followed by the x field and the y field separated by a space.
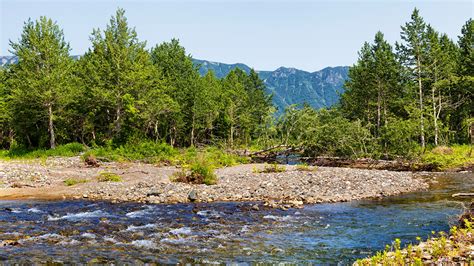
pixel 101 232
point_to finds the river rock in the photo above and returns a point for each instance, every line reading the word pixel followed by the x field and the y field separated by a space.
pixel 153 194
pixel 192 195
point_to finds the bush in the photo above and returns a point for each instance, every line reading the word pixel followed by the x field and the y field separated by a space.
pixel 108 177
pixel 146 151
pixel 198 173
pixel 272 168
pixel 67 150
pixel 452 157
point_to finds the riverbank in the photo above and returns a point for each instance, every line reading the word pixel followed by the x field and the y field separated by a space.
pixel 138 182
pixel 453 248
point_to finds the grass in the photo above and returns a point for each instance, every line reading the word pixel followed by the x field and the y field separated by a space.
pixel 439 247
pixel 74 181
pixel 146 151
pixel 162 153
pixel 450 157
pixel 306 168
pixel 66 150
pixel 108 177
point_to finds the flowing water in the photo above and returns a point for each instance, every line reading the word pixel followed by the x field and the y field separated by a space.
pixel 83 231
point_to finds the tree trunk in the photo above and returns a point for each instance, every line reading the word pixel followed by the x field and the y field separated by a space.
pixel 231 140
pixel 192 130
pixel 420 94
pixel 173 136
pixel 155 128
pixel 435 116
pixel 378 111
pixel 52 137
pixel 118 117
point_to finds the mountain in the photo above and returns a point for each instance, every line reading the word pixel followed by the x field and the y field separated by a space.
pixel 292 86
pixel 288 85
pixel 6 60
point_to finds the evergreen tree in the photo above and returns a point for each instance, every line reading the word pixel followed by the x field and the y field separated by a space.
pixel 441 61
pixel 375 81
pixel 413 54
pixel 40 81
pixel 463 93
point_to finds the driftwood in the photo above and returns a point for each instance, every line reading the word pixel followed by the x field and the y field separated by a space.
pixel 463 195
pixel 268 150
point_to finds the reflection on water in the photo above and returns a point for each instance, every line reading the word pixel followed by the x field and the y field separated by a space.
pixel 81 231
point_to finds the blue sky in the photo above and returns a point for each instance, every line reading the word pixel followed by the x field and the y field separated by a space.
pixel 308 35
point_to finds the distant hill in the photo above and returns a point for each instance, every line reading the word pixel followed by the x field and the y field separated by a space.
pixel 292 86
pixel 288 85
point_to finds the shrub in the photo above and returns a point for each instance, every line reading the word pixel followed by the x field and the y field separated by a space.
pixel 442 150
pixel 198 173
pixel 67 150
pixel 146 151
pixel 108 177
pixel 445 158
pixel 74 181
pixel 273 168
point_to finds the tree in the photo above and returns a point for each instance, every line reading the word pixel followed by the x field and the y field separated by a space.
pixel 207 106
pixel 41 80
pixel 114 73
pixel 375 81
pixel 441 61
pixel 5 132
pixel 413 53
pixel 235 101
pixel 177 67
pixel 463 93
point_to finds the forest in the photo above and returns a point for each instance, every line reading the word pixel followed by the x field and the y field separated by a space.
pixel 400 99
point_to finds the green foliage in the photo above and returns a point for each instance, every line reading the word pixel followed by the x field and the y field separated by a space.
pixel 272 168
pixel 130 104
pixel 146 151
pixel 199 172
pixel 39 83
pixel 450 157
pixel 400 138
pixel 74 181
pixel 325 132
pixel 440 247
pixel 67 150
pixel 108 177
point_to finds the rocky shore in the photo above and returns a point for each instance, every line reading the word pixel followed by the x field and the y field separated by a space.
pixel 151 184
pixel 455 247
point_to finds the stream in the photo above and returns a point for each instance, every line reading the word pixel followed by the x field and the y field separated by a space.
pixel 99 232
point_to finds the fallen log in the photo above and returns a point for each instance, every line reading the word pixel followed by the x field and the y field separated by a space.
pixel 463 195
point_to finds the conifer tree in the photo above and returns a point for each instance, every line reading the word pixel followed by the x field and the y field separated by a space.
pixel 413 53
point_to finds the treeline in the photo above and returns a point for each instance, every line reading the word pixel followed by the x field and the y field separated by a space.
pixel 398 100
pixel 119 91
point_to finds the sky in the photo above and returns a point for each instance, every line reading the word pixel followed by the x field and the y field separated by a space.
pixel 265 35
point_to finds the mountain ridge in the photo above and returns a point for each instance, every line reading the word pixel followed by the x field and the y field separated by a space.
pixel 288 85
